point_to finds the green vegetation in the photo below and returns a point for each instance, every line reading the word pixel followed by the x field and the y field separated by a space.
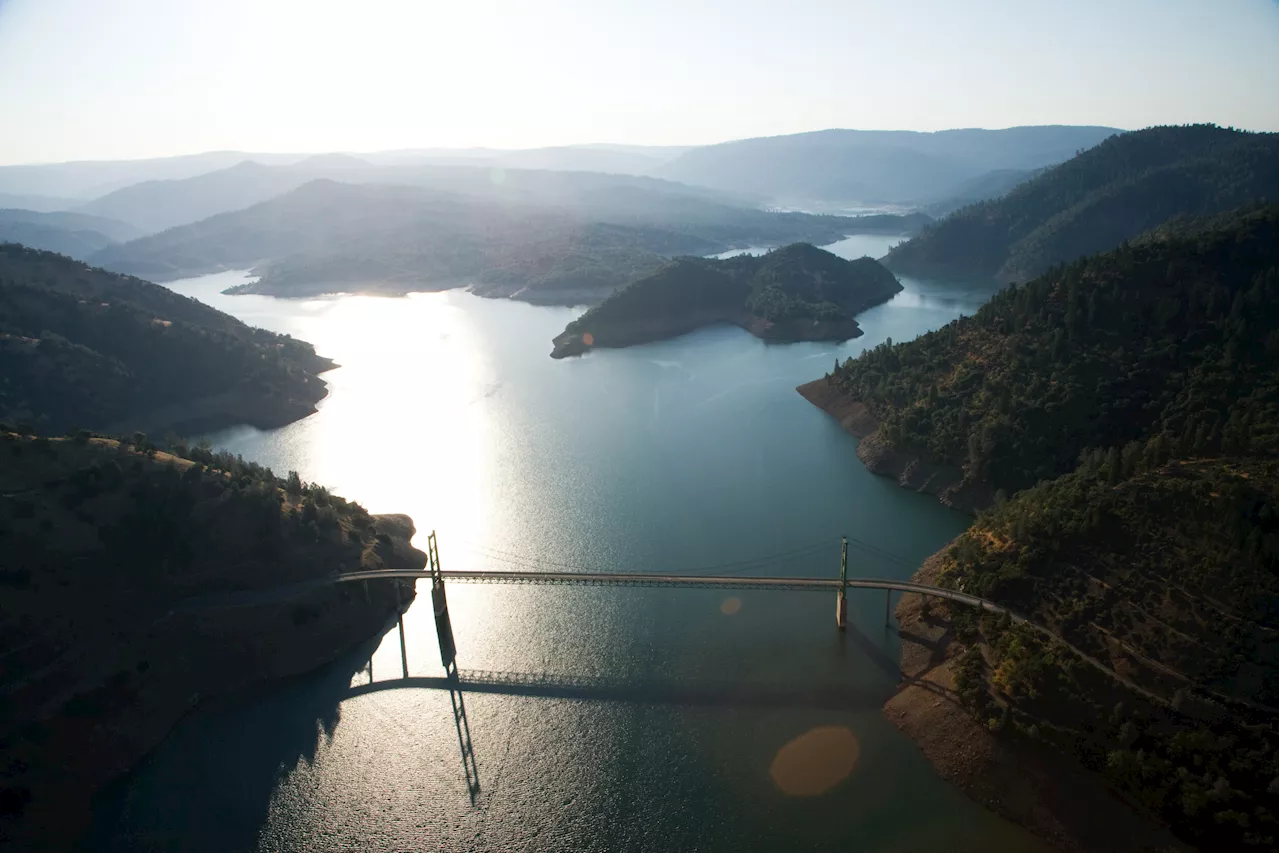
pixel 112 551
pixel 1128 403
pixel 1129 184
pixel 1164 572
pixel 83 347
pixel 1174 337
pixel 797 292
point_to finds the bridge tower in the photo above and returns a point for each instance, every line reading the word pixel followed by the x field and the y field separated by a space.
pixel 842 606
pixel 440 605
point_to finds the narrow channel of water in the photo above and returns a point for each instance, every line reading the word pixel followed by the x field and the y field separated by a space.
pixel 608 719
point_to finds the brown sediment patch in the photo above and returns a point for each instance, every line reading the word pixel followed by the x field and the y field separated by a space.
pixel 815 762
pixel 731 605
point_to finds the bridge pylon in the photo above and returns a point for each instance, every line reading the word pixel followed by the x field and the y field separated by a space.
pixel 842 606
pixel 440 606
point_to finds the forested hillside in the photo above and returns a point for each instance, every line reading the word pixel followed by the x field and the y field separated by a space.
pixel 1129 184
pixel 1158 563
pixel 1129 400
pixel 798 292
pixel 82 347
pixel 1172 337
pixel 114 552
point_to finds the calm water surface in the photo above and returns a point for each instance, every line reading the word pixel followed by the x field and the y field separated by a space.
pixel 606 719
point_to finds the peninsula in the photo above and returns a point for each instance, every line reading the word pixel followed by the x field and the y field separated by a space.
pixel 796 293
pixel 140 581
pixel 83 347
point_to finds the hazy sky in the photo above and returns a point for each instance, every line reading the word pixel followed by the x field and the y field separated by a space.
pixel 103 79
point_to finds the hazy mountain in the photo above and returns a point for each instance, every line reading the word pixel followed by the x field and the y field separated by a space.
pixel 1111 193
pixel 73 234
pixel 89 179
pixel 874 167
pixel 39 203
pixel 327 236
pixel 68 220
pixel 156 205
pixel 986 186
pixel 598 157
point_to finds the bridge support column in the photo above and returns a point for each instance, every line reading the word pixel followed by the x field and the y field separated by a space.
pixel 440 606
pixel 842 605
pixel 888 594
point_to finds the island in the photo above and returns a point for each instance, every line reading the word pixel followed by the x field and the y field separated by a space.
pixel 140 581
pixel 796 293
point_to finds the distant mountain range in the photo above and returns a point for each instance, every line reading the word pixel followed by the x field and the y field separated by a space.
pixel 330 236
pixel 1111 193
pixel 827 170
pixel 873 166
pixel 156 205
pixel 76 235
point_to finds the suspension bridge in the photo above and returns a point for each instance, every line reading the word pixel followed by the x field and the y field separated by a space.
pixel 839 585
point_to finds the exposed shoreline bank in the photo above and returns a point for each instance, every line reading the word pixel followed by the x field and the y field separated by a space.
pixel 1025 782
pixel 911 471
pixel 71 751
pixel 569 343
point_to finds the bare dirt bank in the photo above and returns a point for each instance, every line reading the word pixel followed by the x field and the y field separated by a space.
pixel 911 470
pixel 1019 779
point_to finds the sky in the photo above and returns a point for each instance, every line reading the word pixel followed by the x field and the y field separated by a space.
pixel 114 79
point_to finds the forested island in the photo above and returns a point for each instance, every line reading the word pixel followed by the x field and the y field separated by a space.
pixel 796 293
pixel 83 347
pixel 116 556
pixel 1118 418
pixel 1127 185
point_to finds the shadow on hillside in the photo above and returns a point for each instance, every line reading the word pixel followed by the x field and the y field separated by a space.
pixel 247 744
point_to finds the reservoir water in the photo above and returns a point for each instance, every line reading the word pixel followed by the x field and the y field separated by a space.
pixel 602 719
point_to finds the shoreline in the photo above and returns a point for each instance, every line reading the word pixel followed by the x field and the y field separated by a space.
pixel 911 471
pixel 207 655
pixel 1023 781
pixel 569 344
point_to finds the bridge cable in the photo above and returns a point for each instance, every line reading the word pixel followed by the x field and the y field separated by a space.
pixel 535 563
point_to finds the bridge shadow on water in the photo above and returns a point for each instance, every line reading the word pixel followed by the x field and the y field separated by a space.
pixel 210 788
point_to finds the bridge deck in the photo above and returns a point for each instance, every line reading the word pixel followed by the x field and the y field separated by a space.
pixel 705 581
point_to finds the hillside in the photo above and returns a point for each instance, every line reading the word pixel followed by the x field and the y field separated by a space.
pixel 160 204
pixel 794 293
pixel 76 235
pixel 327 236
pixel 119 563
pixel 1176 336
pixel 1158 569
pixel 1129 184
pixel 82 347
pixel 874 166
pixel 1128 403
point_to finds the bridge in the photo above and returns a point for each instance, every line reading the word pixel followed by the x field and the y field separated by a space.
pixel 839 586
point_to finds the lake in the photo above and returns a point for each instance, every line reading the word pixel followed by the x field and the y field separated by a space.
pixel 603 719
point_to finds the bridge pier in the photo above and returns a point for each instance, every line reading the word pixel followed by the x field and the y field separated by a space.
pixel 440 606
pixel 888 595
pixel 842 605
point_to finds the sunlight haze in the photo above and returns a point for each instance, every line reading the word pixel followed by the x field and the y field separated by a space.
pixel 81 79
